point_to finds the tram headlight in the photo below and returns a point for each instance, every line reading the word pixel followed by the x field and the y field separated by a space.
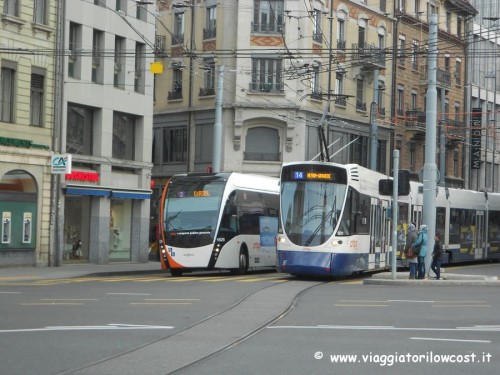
pixel 281 239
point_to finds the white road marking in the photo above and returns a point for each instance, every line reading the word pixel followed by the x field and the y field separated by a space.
pixel 454 340
pixel 114 326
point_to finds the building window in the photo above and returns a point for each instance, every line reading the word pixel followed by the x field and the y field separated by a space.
pixel 175 145
pixel 383 5
pixel 97 48
pixel 210 21
pixel 40 12
pixel 208 77
pixel 447 63
pixel 401 101
pixel 121 5
pixel 317 32
pixel 341 32
pixel 178 36
pixel 80 124
pixel 266 74
pixel 459 26
pixel 315 80
pixel 204 143
pixel 401 51
pixel 268 16
pixel 75 37
pixel 448 21
pixel 141 12
pixel 414 55
pixel 119 59
pixel 360 94
pixel 362 35
pixel 140 58
pixel 402 5
pixel 262 144
pixel 11 8
pixel 176 92
pixel 7 91
pixel 339 90
pixel 358 151
pixel 414 100
pixel 37 99
pixel 123 136
pixel 458 72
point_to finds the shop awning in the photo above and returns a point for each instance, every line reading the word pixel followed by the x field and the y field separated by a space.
pixel 102 191
pixel 131 194
pixel 90 190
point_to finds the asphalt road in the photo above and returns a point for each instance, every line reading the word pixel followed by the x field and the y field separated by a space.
pixel 262 323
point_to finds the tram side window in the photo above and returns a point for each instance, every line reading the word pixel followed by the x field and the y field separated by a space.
pixel 441 221
pixel 356 214
pixel 494 226
pixel 461 225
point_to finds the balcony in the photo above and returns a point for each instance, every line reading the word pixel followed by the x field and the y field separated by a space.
pixel 341 101
pixel 266 87
pixel 318 37
pixel 174 95
pixel 455 132
pixel 415 121
pixel 160 46
pixel 341 45
pixel 360 106
pixel 368 56
pixel 443 77
pixel 316 95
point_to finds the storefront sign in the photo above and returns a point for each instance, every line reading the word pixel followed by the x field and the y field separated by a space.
pixel 61 164
pixel 475 148
pixel 82 176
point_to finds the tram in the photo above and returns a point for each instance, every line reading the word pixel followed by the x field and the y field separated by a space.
pixel 334 222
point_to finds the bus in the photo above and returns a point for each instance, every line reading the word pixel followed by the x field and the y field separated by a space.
pixel 335 222
pixel 219 221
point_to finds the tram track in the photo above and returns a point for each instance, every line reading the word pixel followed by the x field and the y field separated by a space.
pixel 207 337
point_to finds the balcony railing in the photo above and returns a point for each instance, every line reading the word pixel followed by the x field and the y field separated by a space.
pixel 341 45
pixel 206 91
pixel 268 27
pixel 443 77
pixel 177 39
pixel 341 101
pixel 360 106
pixel 174 95
pixel 368 56
pixel 209 33
pixel 266 87
pixel 316 95
pixel 160 45
pixel 318 37
pixel 415 118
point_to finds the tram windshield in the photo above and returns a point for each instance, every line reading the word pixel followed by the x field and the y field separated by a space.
pixel 193 205
pixel 310 210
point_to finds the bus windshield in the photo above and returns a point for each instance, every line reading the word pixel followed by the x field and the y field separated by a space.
pixel 193 205
pixel 310 210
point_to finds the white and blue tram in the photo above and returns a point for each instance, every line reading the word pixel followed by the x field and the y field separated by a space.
pixel 334 222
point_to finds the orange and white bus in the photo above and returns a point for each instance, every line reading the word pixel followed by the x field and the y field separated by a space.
pixel 219 221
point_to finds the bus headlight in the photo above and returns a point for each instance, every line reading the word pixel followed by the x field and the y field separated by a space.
pixel 281 239
pixel 336 242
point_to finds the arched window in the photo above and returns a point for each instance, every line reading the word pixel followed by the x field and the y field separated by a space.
pixel 263 144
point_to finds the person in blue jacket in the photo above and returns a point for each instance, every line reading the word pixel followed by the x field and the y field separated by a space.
pixel 421 242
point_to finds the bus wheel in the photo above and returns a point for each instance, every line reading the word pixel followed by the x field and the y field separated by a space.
pixel 243 262
pixel 175 272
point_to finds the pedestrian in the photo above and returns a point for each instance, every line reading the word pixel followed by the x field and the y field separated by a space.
pixel 437 256
pixel 420 247
pixel 411 237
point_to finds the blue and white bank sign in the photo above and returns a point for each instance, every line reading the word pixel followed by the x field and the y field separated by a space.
pixel 61 164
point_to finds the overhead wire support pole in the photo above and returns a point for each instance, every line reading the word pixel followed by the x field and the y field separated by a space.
pixel 430 169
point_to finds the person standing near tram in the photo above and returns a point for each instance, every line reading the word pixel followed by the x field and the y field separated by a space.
pixel 420 248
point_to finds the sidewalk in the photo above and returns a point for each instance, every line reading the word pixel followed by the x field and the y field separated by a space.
pixel 75 270
pixel 447 279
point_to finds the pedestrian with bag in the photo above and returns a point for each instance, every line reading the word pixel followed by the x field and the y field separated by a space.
pixel 437 256
pixel 411 237
pixel 420 249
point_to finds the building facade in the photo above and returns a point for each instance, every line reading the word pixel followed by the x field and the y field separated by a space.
pixel 484 52
pixel 290 67
pixel 107 111
pixel 411 83
pixel 27 63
